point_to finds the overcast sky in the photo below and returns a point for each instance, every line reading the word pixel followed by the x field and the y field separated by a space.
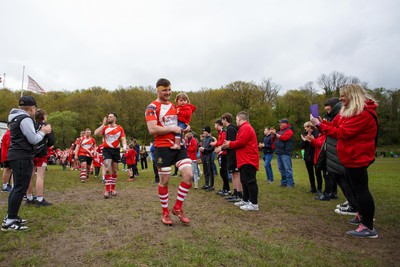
pixel 77 44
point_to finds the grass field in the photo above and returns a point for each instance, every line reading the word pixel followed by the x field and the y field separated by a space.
pixel 291 228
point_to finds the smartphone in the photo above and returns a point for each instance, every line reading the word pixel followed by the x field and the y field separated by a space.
pixel 314 110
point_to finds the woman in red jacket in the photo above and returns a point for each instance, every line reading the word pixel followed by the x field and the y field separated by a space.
pixel 356 130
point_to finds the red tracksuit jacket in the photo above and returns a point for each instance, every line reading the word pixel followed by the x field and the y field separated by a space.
pixel 246 146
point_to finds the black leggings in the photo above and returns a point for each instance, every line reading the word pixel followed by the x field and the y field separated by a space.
pixel 364 202
pixel 346 189
pixel 330 184
pixel 310 169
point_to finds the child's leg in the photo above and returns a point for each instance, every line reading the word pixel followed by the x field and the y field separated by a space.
pixel 178 137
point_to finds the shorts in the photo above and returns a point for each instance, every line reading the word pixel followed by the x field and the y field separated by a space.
pixel 231 161
pixel 131 166
pixel 111 153
pixel 166 157
pixel 40 162
pixel 85 159
pixel 6 164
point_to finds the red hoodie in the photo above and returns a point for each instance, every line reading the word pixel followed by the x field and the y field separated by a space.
pixel 5 144
pixel 192 148
pixel 220 141
pixel 355 135
pixel 317 143
pixel 246 146
pixel 130 156
pixel 185 112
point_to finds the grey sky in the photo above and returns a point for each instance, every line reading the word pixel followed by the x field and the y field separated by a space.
pixel 76 44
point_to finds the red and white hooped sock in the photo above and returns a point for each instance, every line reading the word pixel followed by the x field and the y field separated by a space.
pixel 163 194
pixel 83 174
pixel 183 190
pixel 107 182
pixel 113 181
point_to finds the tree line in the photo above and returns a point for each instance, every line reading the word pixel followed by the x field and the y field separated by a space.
pixel 70 112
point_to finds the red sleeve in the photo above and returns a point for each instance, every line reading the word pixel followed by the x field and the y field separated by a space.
pixel 242 139
pixel 286 135
pixel 192 146
pixel 221 138
pixel 319 141
pixel 151 112
pixel 345 126
pixel 185 114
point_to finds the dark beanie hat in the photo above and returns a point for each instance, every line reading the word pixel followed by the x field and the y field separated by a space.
pixel 331 101
pixel 207 129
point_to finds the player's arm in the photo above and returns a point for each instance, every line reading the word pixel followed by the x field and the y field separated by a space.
pixel 160 130
pixel 123 140
pixel 99 130
pixel 77 150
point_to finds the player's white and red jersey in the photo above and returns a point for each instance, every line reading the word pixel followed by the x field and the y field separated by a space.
pixel 86 146
pixel 166 116
pixel 112 136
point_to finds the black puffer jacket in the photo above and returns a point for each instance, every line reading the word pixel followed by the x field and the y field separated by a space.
pixel 308 148
pixel 333 163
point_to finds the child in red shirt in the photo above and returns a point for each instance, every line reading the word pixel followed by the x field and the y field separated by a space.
pixel 130 156
pixel 184 111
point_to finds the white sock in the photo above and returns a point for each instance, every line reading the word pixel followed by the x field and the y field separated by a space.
pixel 29 197
pixel 9 221
pixel 40 199
pixel 4 186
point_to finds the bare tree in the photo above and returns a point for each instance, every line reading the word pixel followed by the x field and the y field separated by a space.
pixel 310 90
pixel 270 90
pixel 335 80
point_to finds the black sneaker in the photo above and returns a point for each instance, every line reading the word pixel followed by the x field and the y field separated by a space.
pixel 343 205
pixel 225 193
pixel 230 197
pixel 346 211
pixel 323 197
pixel 18 220
pixel 234 199
pixel 42 203
pixel 334 196
pixel 220 192
pixel 14 226
pixel 204 187
pixel 29 202
pixel 210 189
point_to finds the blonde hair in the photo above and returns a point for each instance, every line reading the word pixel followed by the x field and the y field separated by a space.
pixel 183 96
pixel 309 124
pixel 356 97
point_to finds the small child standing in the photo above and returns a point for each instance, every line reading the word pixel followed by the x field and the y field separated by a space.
pixel 130 156
pixel 184 111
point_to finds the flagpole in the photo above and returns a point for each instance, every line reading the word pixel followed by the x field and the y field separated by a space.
pixel 23 74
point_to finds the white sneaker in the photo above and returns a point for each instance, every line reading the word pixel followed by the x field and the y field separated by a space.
pixel 241 203
pixel 249 206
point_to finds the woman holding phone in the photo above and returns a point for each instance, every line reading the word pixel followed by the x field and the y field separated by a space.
pixel 356 130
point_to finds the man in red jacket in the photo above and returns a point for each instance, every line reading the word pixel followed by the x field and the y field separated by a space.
pixel 247 156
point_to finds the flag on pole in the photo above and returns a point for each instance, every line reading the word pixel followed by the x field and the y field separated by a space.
pixel 34 86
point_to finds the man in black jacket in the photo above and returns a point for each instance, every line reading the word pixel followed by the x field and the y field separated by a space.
pixel 231 132
pixel 206 158
pixel 20 155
